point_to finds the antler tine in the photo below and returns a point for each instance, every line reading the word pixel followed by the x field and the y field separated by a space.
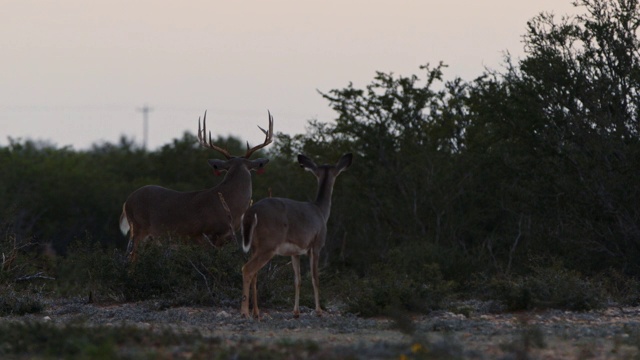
pixel 202 138
pixel 199 128
pixel 270 125
pixel 267 140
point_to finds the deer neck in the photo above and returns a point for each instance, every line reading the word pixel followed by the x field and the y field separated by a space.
pixel 236 187
pixel 325 190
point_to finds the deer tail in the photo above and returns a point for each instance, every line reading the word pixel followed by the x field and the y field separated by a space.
pixel 124 222
pixel 248 226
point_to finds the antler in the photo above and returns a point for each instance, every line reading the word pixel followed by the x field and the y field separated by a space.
pixel 202 138
pixel 267 140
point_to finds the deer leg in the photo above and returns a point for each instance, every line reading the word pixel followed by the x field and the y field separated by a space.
pixel 137 235
pixel 249 271
pixel 129 247
pixel 314 256
pixel 295 261
pixel 254 286
pixel 132 256
pixel 132 246
pixel 131 251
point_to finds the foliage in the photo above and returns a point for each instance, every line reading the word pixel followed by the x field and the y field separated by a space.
pixel 452 181
pixel 45 340
pixel 168 270
pixel 385 291
pixel 561 130
pixel 12 303
pixel 549 287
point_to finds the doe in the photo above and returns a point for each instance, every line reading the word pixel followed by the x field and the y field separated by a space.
pixel 277 226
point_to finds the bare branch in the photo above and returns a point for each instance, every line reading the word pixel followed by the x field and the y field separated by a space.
pixel 204 277
pixel 39 275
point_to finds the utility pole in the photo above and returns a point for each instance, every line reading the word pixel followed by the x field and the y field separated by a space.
pixel 145 124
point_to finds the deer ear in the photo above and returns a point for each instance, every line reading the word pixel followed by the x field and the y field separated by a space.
pixel 306 163
pixel 258 164
pixel 344 162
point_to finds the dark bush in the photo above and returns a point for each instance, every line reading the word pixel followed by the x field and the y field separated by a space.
pixel 549 287
pixel 385 290
pixel 165 269
pixel 12 303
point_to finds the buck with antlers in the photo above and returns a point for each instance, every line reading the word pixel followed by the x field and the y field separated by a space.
pixel 153 210
pixel 277 226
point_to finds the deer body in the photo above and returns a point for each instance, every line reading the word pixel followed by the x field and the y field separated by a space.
pixel 154 210
pixel 171 212
pixel 293 227
pixel 278 226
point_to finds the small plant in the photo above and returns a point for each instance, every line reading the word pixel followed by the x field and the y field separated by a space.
pixel 531 337
pixel 179 273
pixel 549 287
pixel 17 304
pixel 386 289
pixel 13 261
pixel 622 288
pixel 46 340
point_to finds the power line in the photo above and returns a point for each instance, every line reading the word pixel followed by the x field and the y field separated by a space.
pixel 145 124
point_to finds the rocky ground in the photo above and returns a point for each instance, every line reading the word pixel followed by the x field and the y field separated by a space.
pixel 475 332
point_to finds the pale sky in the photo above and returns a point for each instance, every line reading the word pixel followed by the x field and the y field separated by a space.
pixel 76 72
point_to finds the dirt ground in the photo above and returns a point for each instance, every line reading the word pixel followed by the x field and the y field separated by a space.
pixel 612 333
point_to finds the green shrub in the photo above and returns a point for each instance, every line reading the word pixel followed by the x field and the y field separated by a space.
pixel 531 337
pixel 188 274
pixel 88 268
pixel 12 303
pixel 176 272
pixel 622 288
pixel 45 340
pixel 408 278
pixel 16 257
pixel 385 290
pixel 549 287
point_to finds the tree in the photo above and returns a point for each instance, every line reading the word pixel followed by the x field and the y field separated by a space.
pixel 564 122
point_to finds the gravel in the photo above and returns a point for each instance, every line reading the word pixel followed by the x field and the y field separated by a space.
pixel 610 333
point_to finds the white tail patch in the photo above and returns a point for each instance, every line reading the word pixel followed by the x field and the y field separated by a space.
pixel 124 222
pixel 246 241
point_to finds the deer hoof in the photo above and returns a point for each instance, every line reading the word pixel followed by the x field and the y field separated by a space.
pixel 245 314
pixel 256 315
